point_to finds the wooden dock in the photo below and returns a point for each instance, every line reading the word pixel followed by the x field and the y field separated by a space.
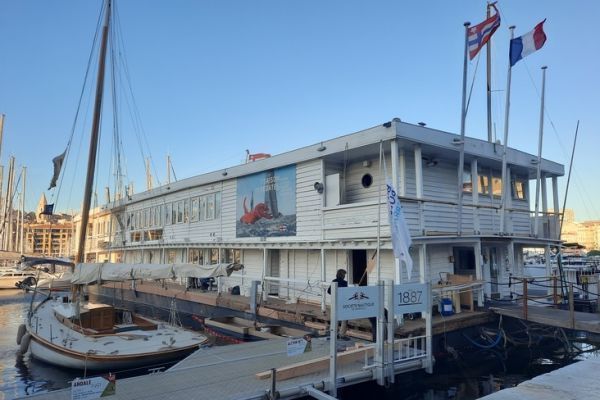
pixel 243 372
pixel 551 316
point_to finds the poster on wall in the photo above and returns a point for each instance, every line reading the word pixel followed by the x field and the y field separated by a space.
pixel 266 203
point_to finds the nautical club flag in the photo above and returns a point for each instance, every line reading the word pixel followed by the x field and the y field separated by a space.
pixel 479 35
pixel 528 43
pixel 401 239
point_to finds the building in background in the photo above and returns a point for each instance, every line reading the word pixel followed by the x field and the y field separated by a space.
pixel 586 233
pixel 48 235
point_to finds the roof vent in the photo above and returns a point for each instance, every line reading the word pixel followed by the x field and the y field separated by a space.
pixel 422 124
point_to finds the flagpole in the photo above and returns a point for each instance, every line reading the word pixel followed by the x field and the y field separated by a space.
pixel 539 158
pixel 489 80
pixel 463 117
pixel 505 190
pixel 379 213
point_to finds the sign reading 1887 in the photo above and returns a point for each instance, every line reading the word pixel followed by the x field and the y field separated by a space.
pixel 410 298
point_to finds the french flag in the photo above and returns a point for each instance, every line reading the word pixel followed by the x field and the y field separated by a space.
pixel 528 43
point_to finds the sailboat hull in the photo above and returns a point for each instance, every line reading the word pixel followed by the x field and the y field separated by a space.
pixel 62 357
pixel 135 343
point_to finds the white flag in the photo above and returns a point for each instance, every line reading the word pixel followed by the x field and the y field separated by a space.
pixel 401 239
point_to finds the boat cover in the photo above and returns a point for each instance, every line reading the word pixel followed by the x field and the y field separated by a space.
pixel 97 272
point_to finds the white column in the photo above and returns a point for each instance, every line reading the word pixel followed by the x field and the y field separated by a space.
pixel 419 184
pixel 507 189
pixel 264 273
pixel 545 233
pixel 402 172
pixel 556 206
pixel 475 195
pixel 478 270
pixel 323 277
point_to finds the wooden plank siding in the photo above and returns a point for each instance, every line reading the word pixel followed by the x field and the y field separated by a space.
pixel 308 201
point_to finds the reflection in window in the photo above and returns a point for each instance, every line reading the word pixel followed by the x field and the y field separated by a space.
pixel 518 189
pixel 180 211
pixel 214 256
pixel 467 182
pixel 497 186
pixel 195 208
pixel 484 185
pixel 210 207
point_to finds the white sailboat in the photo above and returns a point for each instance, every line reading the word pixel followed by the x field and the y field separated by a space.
pixel 75 333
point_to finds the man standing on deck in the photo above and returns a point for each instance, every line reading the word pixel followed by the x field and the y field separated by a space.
pixel 340 278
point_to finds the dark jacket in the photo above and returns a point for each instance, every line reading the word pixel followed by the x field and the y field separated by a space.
pixel 340 282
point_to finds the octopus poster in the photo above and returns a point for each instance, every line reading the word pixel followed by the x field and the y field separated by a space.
pixel 266 203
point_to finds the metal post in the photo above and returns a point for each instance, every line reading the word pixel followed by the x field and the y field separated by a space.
pixel 524 298
pixel 333 341
pixel 571 306
pixel 539 156
pixel 389 295
pixel 463 117
pixel 380 345
pixel 505 190
pixel 273 394
pixel 323 277
pixel 253 292
pixel 554 291
pixel 264 274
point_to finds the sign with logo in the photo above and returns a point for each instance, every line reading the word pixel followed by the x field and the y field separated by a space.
pixel 411 298
pixel 298 346
pixel 93 388
pixel 357 302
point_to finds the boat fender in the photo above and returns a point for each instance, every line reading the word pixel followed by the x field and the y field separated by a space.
pixel 25 343
pixel 20 332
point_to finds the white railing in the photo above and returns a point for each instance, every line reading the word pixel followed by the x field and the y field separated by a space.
pixel 411 348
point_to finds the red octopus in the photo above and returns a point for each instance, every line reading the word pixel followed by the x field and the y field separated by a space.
pixel 261 210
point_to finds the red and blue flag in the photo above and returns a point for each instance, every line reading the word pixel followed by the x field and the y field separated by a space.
pixel 480 34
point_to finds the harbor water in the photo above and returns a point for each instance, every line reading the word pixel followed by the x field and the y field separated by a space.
pixel 457 375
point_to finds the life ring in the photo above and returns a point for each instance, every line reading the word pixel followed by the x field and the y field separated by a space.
pixel 20 332
pixel 25 343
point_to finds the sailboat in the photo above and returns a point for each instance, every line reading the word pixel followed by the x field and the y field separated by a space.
pixel 72 331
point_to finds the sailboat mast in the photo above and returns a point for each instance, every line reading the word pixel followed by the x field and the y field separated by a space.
pixel 91 167
pixel 489 80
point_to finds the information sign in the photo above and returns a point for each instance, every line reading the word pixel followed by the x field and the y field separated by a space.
pixel 411 298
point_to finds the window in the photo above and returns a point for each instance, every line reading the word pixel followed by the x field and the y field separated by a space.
pixel 518 189
pixel 180 211
pixel 214 256
pixel 366 181
pixel 193 256
pixel 195 209
pixel 467 181
pixel 484 184
pixel 171 256
pixel 168 212
pixel 497 186
pixel 174 214
pixel 202 208
pixel 231 256
pixel 217 204
pixel 136 236
pixel 210 206
pixel 186 213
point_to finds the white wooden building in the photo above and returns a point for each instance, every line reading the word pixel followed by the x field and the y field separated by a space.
pixel 324 204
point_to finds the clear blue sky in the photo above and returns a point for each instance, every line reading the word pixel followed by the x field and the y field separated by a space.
pixel 213 78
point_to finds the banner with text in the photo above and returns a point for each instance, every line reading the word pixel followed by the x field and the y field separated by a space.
pixel 93 388
pixel 357 302
pixel 411 298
